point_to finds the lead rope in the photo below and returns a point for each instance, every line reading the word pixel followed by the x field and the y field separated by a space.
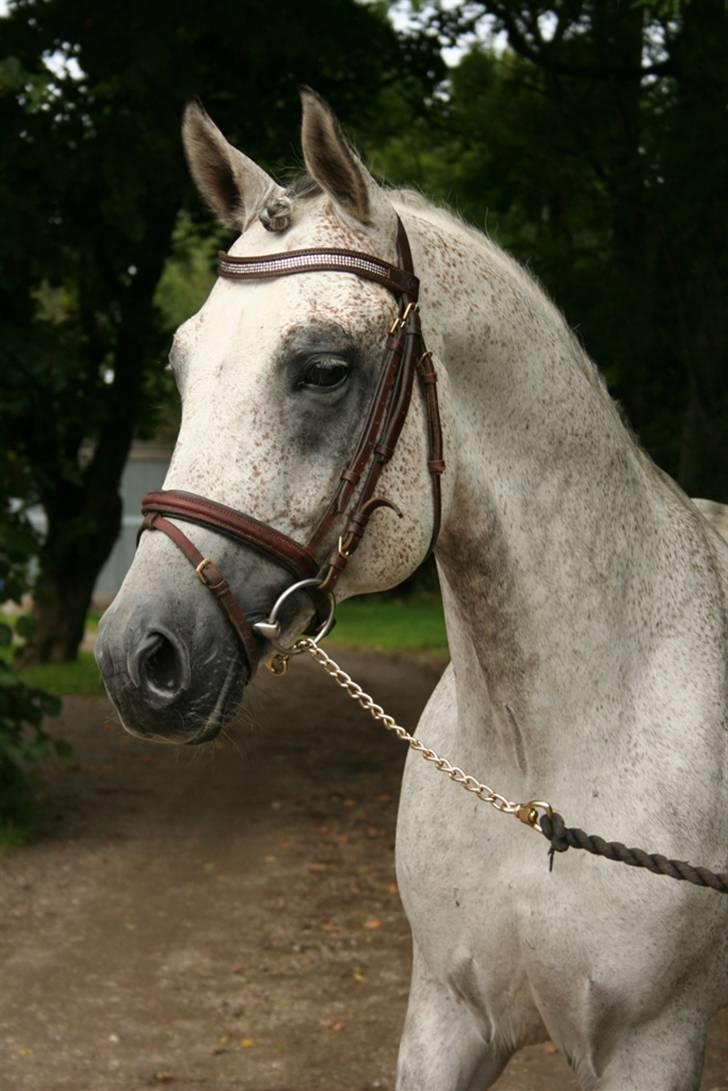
pixel 538 814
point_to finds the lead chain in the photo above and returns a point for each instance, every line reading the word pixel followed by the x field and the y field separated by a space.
pixel 528 813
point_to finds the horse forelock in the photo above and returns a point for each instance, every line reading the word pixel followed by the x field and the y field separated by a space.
pixel 277 211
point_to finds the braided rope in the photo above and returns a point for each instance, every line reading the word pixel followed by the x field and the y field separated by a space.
pixel 563 837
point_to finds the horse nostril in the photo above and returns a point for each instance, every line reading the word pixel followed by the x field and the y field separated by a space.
pixel 161 666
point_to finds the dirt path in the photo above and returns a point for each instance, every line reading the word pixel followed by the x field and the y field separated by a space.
pixel 227 918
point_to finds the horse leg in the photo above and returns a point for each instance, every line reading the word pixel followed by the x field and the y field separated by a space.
pixel 442 1047
pixel 665 1055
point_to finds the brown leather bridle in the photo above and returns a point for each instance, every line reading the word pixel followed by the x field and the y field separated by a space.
pixel 404 355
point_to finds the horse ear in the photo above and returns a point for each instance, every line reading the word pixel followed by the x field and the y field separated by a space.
pixel 233 186
pixel 332 163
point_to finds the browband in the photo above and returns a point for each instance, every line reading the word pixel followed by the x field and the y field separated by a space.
pixel 398 281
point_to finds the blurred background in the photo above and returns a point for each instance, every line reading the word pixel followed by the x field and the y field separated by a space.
pixel 587 136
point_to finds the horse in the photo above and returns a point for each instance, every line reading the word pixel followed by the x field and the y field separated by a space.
pixel 585 597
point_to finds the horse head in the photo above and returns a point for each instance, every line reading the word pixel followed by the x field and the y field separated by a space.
pixel 277 375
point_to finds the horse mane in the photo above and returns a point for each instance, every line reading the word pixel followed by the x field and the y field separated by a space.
pixel 528 283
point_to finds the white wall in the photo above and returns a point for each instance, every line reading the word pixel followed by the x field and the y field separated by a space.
pixel 145 470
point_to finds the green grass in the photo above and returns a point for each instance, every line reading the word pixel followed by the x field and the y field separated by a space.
pixel 81 676
pixel 408 625
pixel 92 620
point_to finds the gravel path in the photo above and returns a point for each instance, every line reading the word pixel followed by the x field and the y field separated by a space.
pixel 225 918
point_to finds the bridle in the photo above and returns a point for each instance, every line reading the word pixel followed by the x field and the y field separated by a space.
pixel 355 498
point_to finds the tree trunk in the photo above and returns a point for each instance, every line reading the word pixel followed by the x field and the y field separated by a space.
pixel 84 516
pixel 60 615
pixel 81 533
pixel 62 597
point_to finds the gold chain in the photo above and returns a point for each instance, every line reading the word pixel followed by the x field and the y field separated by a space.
pixel 528 813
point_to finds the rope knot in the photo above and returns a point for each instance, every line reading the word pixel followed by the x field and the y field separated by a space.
pixel 553 828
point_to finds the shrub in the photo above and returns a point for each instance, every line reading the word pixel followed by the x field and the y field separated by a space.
pixel 24 742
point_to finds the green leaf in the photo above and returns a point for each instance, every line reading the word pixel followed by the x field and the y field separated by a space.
pixel 8 679
pixel 25 626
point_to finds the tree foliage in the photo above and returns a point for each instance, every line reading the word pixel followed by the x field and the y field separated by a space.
pixel 93 181
pixel 590 139
pixel 594 146
pixel 23 739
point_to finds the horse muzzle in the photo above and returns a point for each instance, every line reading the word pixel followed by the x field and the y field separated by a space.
pixel 177 680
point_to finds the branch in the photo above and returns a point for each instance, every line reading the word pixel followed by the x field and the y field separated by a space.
pixel 544 58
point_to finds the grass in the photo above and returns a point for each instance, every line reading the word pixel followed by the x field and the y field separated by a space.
pixel 407 625
pixel 82 676
pixel 375 623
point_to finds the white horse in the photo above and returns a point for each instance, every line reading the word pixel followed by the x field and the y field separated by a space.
pixel 586 601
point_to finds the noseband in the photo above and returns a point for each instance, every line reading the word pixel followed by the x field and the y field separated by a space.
pixel 355 498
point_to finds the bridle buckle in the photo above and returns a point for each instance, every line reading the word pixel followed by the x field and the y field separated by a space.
pixel 200 570
pixel 401 319
pixel 342 550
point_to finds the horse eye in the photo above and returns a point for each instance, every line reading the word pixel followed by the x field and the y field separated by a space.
pixel 324 373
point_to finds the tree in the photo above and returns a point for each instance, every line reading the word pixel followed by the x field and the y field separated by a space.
pixel 606 119
pixel 94 180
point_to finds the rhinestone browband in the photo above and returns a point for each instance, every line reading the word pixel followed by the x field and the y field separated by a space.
pixel 397 280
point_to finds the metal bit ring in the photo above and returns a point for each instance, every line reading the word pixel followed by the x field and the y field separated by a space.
pixel 271 627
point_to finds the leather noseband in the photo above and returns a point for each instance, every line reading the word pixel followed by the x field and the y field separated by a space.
pixel 355 498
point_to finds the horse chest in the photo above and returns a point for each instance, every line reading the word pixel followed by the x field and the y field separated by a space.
pixel 505 936
pixel 466 894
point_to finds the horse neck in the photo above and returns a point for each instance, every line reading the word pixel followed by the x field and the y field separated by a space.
pixel 551 499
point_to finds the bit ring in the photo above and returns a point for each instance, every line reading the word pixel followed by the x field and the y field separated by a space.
pixel 271 627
